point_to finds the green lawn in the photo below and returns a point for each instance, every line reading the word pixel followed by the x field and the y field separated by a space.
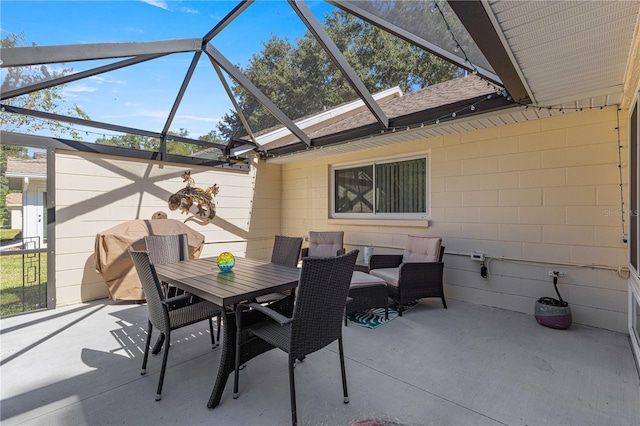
pixel 14 297
pixel 9 234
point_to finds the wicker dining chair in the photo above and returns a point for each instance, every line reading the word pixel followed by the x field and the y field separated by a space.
pixel 317 317
pixel 165 249
pixel 161 316
pixel 173 248
pixel 286 252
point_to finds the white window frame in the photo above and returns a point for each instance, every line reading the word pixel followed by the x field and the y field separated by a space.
pixel 373 162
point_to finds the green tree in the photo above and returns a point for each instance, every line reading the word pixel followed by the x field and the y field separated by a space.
pixel 7 151
pixel 47 100
pixel 147 143
pixel 302 80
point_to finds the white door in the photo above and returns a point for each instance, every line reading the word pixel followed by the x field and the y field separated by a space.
pixel 34 215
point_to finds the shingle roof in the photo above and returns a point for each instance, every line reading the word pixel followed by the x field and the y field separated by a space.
pixel 14 198
pixel 28 166
pixel 437 95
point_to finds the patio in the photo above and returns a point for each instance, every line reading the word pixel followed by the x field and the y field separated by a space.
pixel 469 364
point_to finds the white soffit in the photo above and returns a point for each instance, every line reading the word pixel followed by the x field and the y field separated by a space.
pixel 513 115
pixel 568 52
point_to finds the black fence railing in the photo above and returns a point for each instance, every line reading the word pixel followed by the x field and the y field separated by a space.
pixel 23 276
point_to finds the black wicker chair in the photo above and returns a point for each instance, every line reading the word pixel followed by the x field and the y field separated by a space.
pixel 173 248
pixel 165 249
pixel 161 315
pixel 408 277
pixel 286 252
pixel 323 244
pixel 317 317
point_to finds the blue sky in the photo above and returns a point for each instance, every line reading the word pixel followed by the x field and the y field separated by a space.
pixel 141 96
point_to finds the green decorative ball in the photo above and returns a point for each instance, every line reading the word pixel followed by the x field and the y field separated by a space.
pixel 226 261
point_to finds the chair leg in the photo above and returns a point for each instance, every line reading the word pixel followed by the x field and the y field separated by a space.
pixel 158 345
pixel 292 392
pixel 344 374
pixel 219 320
pixel 444 303
pixel 164 367
pixel 400 309
pixel 213 336
pixel 146 349
pixel 386 313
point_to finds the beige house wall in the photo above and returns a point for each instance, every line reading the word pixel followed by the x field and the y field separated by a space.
pixel 536 196
pixel 95 193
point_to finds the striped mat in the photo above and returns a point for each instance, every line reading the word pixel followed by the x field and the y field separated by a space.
pixel 372 318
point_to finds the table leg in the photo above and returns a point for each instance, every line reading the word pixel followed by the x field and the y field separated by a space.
pixel 227 359
pixel 250 347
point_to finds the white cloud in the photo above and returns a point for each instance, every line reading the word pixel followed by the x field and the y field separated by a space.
pixel 134 30
pixel 197 118
pixel 188 10
pixel 107 79
pixel 79 88
pixel 153 114
pixel 157 3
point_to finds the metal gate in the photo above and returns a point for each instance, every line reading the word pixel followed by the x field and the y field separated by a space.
pixel 23 276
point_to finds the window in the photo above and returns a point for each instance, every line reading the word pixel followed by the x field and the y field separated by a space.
pixel 381 189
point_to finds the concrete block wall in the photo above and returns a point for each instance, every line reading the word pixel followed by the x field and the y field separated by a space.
pixel 534 196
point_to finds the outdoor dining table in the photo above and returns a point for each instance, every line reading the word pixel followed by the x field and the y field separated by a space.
pixel 248 279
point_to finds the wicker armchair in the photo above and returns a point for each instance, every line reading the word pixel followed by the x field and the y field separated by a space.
pixel 286 252
pixel 415 274
pixel 162 313
pixel 324 244
pixel 165 249
pixel 317 317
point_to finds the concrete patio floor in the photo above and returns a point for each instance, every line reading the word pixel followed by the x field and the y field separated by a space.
pixel 467 365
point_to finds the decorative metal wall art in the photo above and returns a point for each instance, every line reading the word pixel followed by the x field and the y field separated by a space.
pixel 195 201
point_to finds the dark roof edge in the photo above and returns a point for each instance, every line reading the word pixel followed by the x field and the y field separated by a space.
pixel 483 104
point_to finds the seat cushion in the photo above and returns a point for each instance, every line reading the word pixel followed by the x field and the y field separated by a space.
pixel 325 244
pixel 421 249
pixel 389 275
pixel 361 279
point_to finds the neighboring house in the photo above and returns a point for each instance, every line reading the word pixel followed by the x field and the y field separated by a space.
pixel 30 176
pixel 14 205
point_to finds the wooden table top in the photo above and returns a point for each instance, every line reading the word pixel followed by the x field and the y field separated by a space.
pixel 248 279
